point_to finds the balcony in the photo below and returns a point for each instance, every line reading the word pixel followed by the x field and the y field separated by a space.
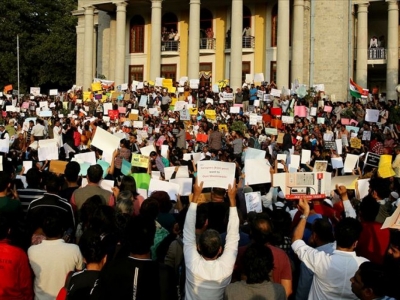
pixel 207 45
pixel 170 47
pixel 248 43
pixel 376 53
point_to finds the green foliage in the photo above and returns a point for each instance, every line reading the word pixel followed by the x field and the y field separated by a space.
pixel 238 126
pixel 47 43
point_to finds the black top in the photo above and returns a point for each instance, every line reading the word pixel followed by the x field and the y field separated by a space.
pixel 130 278
pixel 81 284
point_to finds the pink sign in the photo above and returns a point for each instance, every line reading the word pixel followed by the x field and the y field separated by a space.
pixel 238 105
pixel 353 122
pixel 300 111
pixel 345 121
pixel 25 105
pixel 327 109
pixel 122 110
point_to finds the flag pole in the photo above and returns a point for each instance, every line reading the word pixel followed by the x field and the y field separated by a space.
pixel 18 65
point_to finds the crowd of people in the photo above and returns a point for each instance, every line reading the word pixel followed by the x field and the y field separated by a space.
pixel 65 235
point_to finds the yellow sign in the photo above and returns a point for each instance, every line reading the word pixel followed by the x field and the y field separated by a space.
pixel 210 114
pixel 140 161
pixel 104 98
pixel 96 86
pixel 385 166
pixel 151 83
pixel 223 127
pixel 355 143
pixel 172 89
pixel 193 111
pixel 167 83
pixel 86 96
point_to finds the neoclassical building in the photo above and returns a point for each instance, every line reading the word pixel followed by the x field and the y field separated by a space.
pixel 314 41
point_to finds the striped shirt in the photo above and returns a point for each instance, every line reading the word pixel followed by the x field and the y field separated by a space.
pixel 26 196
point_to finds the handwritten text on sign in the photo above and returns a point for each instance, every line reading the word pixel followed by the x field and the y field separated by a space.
pixel 215 173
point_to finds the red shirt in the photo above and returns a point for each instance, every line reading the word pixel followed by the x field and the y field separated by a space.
pixel 15 273
pixel 373 242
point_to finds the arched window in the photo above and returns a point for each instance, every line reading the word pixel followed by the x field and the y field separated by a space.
pixel 246 17
pixel 136 44
pixel 274 26
pixel 170 21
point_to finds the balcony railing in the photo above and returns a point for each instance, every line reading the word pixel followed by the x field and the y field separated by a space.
pixel 207 44
pixel 247 42
pixel 170 46
pixel 376 53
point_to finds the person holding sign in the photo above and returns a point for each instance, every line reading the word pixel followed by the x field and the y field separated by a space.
pixel 209 267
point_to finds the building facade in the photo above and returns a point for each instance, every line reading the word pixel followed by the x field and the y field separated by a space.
pixel 314 41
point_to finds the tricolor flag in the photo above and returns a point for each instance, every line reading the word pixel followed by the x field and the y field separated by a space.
pixel 357 91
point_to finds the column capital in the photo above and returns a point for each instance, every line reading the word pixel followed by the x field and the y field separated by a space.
pixel 89 9
pixel 363 6
pixel 156 3
pixel 195 1
pixel 121 4
pixel 298 3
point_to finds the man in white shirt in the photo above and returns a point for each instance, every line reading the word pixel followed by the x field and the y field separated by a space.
pixel 332 272
pixel 57 133
pixel 207 271
pixel 38 130
pixel 3 133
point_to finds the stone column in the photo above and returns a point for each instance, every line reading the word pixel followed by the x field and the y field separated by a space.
pixel 362 45
pixel 120 40
pixel 88 49
pixel 297 41
pixel 155 48
pixel 236 44
pixel 392 63
pixel 282 53
pixel 194 40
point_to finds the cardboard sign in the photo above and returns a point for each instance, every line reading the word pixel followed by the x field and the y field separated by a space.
pixel 372 159
pixel 261 176
pixel 158 185
pixel 253 202
pixel 385 166
pixel 393 221
pixel 202 137
pixel 105 140
pixel 372 115
pixel 320 166
pixel 133 117
pixel 350 163
pixel 355 143
pixel 140 161
pixel 57 166
pixel 300 111
pixel 215 173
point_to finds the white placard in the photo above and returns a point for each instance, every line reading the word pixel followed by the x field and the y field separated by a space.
pixel 147 150
pixel 346 181
pixel 35 91
pixel 228 96
pixel 48 153
pixel 164 151
pixel 106 107
pixel 105 140
pixel 363 186
pixel 183 172
pixel 287 120
pixel 124 86
pixel 253 202
pixel 185 185
pixel 105 184
pixel 252 153
pixel 275 92
pixel 295 161
pixel 159 81
pixel 179 105
pixel 259 77
pixel 328 136
pixel 184 115
pixel 337 162
pixel 366 136
pixel 253 119
pixel 215 173
pixel 88 157
pixel 313 111
pixel 261 176
pixel 350 163
pixel 27 164
pixel 135 111
pixel 234 109
pixel 188 156
pixel 339 146
pixel 158 185
pixel 143 101
pixel 4 145
pixel 305 156
pixel 53 92
pixel 372 115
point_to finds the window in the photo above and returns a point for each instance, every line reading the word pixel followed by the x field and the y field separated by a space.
pixel 135 73
pixel 274 26
pixel 169 21
pixel 169 72
pixel 272 77
pixel 246 69
pixel 205 74
pixel 246 17
pixel 206 19
pixel 136 44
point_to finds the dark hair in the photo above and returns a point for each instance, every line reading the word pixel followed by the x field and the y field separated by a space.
pixel 261 228
pixel 53 183
pixel 373 277
pixel 381 186
pixel 369 208
pixel 103 219
pixel 323 229
pixel 89 207
pixel 72 170
pixel 128 183
pixel 125 142
pixel 4 181
pixel 142 230
pixel 150 208
pixel 33 178
pixel 395 237
pixel 347 232
pixel 95 173
pixel 52 225
pixel 91 246
pixel 209 243
pixel 258 263
pixel 164 202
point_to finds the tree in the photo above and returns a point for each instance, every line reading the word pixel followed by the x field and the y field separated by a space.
pixel 47 41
